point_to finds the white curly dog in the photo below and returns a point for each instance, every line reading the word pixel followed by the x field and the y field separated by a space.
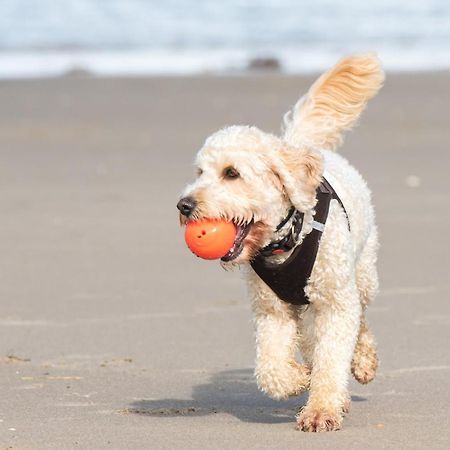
pixel 255 179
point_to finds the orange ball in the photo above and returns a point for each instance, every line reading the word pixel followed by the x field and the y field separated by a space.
pixel 210 238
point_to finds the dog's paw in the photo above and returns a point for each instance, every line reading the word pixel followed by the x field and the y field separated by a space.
pixel 364 376
pixel 364 363
pixel 364 368
pixel 346 405
pixel 280 382
pixel 317 420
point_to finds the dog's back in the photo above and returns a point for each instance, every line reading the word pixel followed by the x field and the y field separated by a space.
pixel 355 195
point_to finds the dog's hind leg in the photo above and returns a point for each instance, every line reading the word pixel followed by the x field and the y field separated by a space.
pixel 365 359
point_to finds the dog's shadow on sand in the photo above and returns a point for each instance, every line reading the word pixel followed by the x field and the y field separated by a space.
pixel 233 392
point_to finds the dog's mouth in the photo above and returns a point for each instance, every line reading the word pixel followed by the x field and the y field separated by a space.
pixel 242 231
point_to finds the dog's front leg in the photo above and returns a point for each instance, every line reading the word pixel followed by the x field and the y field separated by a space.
pixel 277 372
pixel 335 323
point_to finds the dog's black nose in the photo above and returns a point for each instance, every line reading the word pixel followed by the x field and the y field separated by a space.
pixel 186 206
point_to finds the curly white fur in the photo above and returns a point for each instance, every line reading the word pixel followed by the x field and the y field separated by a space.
pixel 332 334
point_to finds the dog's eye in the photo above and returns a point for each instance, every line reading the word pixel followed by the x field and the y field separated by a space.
pixel 199 172
pixel 231 173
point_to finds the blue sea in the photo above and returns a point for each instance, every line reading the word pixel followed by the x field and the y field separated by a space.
pixel 148 37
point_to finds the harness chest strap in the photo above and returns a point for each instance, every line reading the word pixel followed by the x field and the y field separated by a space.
pixel 288 279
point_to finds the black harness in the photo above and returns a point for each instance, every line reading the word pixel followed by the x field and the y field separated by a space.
pixel 288 279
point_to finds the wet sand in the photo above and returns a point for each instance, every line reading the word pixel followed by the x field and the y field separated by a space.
pixel 112 335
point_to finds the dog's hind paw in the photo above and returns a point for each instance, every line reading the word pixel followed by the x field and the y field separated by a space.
pixel 364 367
pixel 365 360
pixel 346 405
pixel 363 376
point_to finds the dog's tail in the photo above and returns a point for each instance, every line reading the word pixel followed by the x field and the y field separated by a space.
pixel 334 103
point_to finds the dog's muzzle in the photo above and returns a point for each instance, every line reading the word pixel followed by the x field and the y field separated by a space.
pixel 186 206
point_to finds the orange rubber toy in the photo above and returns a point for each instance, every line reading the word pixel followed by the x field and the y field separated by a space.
pixel 210 239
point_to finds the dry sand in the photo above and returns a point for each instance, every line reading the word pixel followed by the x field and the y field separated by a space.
pixel 112 335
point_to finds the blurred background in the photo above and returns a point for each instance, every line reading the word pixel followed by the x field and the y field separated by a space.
pixel 145 37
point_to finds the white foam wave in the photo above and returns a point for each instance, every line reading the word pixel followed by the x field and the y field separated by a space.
pixel 165 62
pixel 181 37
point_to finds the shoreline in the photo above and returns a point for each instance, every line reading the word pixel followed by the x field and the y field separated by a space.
pixel 250 73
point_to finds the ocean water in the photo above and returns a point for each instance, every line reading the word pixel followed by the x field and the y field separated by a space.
pixel 141 37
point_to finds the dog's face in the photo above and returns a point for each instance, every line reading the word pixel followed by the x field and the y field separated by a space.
pixel 253 178
pixel 241 177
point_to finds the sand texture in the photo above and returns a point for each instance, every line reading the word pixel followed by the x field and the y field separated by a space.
pixel 112 335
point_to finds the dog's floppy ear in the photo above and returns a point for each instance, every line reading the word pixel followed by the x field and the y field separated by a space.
pixel 334 102
pixel 300 172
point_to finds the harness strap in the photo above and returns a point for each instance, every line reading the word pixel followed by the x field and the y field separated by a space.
pixel 289 241
pixel 289 278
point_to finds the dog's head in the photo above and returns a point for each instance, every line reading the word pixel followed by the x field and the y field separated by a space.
pixel 253 178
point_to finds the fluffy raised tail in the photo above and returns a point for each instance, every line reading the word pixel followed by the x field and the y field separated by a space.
pixel 334 103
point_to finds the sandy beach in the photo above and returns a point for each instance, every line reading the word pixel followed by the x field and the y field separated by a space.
pixel 112 335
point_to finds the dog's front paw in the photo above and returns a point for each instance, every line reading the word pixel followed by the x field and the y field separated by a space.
pixel 283 381
pixel 317 420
